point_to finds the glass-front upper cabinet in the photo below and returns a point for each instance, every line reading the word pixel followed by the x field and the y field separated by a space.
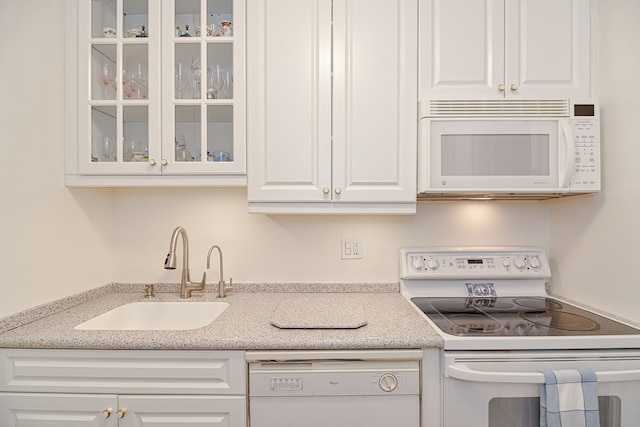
pixel 159 86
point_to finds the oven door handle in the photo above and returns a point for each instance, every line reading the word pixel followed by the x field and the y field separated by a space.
pixel 464 373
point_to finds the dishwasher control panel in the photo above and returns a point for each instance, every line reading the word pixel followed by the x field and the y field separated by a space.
pixel 334 378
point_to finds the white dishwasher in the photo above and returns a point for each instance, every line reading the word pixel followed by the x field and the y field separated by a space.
pixel 372 388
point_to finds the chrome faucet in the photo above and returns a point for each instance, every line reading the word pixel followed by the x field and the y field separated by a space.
pixel 186 286
pixel 222 287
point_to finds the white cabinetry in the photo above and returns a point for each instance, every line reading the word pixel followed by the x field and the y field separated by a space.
pixel 332 106
pixel 66 388
pixel 507 49
pixel 155 93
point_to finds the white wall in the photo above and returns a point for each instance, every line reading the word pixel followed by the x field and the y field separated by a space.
pixel 57 241
pixel 53 242
pixel 591 237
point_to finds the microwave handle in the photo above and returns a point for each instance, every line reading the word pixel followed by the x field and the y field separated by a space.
pixel 463 372
pixel 569 148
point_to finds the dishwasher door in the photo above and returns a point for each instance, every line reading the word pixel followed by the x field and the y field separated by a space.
pixel 334 392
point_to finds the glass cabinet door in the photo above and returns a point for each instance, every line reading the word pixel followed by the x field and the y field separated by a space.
pixel 120 119
pixel 203 85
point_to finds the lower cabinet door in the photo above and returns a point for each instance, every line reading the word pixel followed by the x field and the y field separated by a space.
pixel 88 410
pixel 182 411
pixel 57 410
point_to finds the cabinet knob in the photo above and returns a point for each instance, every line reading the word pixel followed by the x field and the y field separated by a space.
pixel 501 87
pixel 513 87
pixel 164 162
pixel 152 162
pixel 325 190
pixel 338 190
pixel 121 413
pixel 106 413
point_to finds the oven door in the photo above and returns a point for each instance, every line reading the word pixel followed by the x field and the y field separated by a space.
pixel 502 389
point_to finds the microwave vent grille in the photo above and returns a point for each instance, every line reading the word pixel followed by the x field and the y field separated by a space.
pixel 498 108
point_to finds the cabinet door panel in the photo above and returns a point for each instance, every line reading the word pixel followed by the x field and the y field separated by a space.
pixel 461 49
pixel 548 48
pixel 374 100
pixel 190 411
pixel 288 99
pixel 57 410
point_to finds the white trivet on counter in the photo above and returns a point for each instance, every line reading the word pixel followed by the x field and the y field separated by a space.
pixel 319 312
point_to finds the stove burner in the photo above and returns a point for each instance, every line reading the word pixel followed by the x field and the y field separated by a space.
pixel 538 303
pixel 560 320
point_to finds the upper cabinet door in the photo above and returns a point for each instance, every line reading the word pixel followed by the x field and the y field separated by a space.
pixel 461 49
pixel 375 51
pixel 289 100
pixel 549 49
pixel 506 49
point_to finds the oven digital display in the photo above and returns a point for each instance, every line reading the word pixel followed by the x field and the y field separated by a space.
pixel 475 261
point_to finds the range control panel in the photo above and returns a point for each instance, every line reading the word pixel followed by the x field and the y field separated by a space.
pixel 477 263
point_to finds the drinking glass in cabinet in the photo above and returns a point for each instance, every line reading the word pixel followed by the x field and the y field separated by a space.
pixel 182 153
pixel 135 132
pixel 182 75
pixel 106 75
pixel 196 75
pixel 104 149
pixel 220 83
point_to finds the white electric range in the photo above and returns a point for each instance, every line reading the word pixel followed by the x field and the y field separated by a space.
pixel 501 329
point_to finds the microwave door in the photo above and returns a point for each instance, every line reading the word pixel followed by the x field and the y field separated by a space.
pixel 477 155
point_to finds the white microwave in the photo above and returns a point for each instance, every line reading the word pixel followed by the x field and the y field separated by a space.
pixel 508 149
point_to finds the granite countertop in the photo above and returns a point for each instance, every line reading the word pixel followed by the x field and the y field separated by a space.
pixel 391 322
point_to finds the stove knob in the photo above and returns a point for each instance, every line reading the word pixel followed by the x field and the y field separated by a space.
pixel 506 262
pixel 388 382
pixel 417 263
pixel 520 262
pixel 534 262
pixel 433 264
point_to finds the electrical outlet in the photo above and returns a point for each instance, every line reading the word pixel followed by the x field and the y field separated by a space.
pixel 351 249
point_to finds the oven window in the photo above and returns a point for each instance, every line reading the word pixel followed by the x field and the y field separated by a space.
pixel 525 411
pixel 495 155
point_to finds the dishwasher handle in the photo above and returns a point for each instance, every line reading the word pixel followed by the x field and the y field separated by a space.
pixel 465 373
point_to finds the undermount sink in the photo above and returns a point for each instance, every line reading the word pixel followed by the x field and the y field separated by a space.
pixel 156 316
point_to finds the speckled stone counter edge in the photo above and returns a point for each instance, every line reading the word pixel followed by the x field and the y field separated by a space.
pixel 35 313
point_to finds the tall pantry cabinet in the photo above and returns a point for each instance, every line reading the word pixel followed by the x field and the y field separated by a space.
pixel 331 105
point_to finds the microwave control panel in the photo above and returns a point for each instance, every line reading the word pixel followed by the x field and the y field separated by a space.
pixel 585 127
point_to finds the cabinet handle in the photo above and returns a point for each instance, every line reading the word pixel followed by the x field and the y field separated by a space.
pixel 338 190
pixel 164 162
pixel 121 413
pixel 513 87
pixel 106 413
pixel 325 190
pixel 501 87
pixel 152 162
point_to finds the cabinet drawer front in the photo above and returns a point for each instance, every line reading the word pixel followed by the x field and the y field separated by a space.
pixel 126 371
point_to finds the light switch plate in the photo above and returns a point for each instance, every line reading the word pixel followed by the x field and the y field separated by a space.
pixel 351 248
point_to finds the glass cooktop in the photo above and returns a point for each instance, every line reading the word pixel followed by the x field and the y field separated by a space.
pixel 517 316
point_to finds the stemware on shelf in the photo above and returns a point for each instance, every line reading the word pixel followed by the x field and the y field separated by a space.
pixel 106 75
pixel 181 79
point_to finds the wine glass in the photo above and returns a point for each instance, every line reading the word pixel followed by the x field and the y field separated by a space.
pixel 226 88
pixel 138 80
pixel 196 73
pixel 181 79
pixel 109 149
pixel 106 74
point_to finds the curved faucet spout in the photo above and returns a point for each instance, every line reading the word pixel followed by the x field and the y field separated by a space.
pixel 222 287
pixel 170 263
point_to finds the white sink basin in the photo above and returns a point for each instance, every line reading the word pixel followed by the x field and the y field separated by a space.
pixel 162 316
